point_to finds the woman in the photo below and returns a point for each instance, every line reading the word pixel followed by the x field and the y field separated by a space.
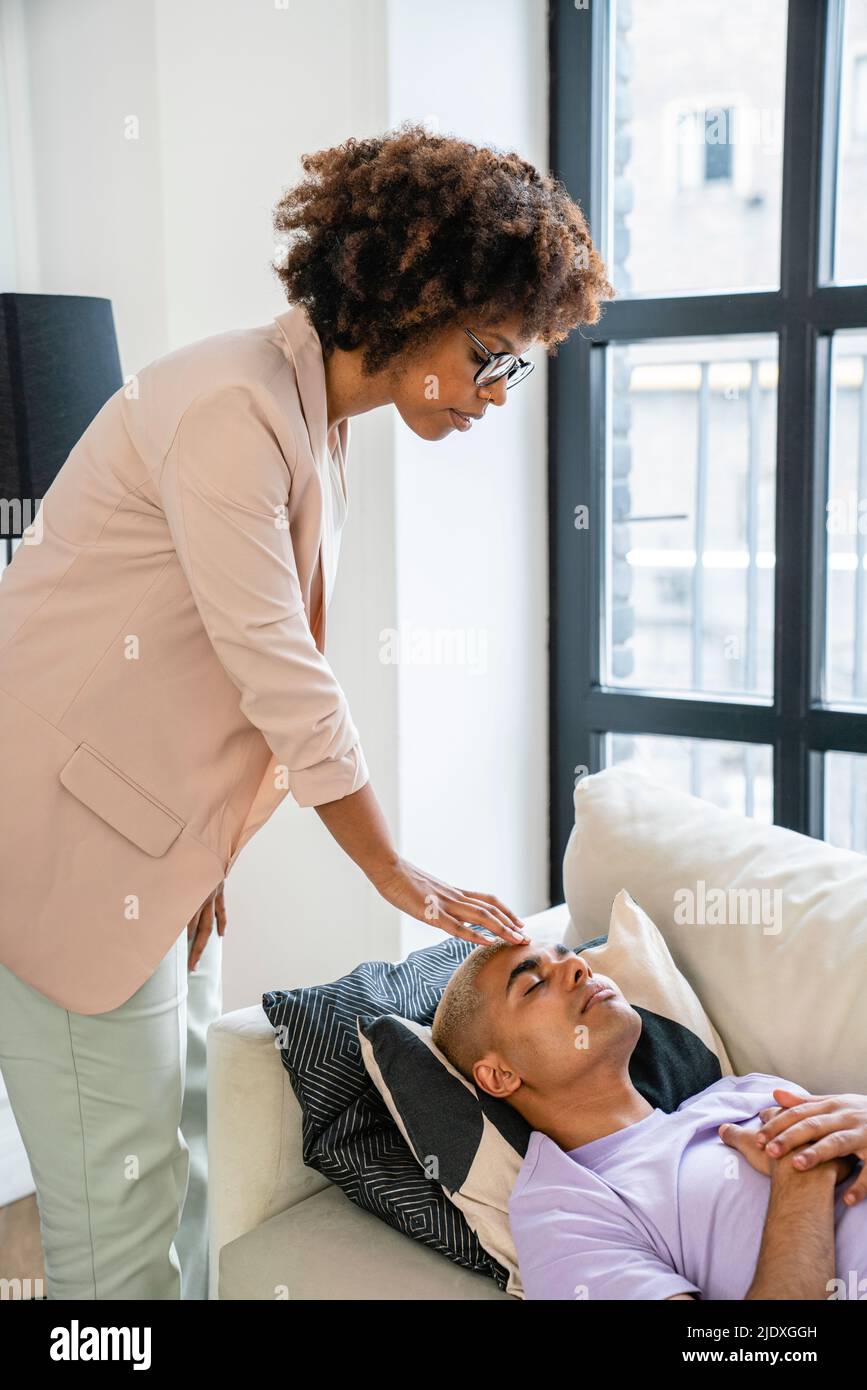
pixel 162 672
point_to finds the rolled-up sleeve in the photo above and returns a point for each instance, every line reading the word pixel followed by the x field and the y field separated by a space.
pixel 225 485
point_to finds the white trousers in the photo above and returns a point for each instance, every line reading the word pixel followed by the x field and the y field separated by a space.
pixel 112 1110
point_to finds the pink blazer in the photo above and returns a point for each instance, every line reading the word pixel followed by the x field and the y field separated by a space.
pixel 163 682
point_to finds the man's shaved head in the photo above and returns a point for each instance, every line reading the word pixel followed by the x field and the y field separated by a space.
pixel 462 1028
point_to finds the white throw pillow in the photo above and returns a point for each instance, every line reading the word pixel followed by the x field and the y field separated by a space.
pixel 768 926
pixel 636 953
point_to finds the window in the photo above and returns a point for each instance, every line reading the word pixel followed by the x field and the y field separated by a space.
pixel 845 666
pixel 719 137
pixel 738 776
pixel 709 617
pixel 690 526
pixel 704 138
pixel 859 96
pixel 846 140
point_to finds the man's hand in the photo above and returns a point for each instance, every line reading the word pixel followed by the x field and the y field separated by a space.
pixel 201 926
pixel 820 1127
pixel 746 1143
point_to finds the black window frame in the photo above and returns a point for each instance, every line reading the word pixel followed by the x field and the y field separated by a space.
pixel 803 314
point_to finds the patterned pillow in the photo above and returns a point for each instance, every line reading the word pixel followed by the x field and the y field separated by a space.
pixel 473 1145
pixel 348 1132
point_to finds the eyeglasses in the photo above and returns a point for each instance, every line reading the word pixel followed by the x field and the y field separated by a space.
pixel 499 364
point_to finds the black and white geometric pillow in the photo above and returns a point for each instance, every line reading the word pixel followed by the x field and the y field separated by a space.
pixel 348 1134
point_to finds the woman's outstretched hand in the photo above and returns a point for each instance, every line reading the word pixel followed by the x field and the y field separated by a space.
pixel 358 825
pixel 456 910
pixel 202 925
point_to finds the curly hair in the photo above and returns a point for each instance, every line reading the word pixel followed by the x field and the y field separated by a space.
pixel 391 239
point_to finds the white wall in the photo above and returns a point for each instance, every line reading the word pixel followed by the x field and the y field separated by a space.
pixel 174 227
pixel 471 519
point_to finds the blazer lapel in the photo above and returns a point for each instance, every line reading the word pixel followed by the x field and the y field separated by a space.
pixel 305 350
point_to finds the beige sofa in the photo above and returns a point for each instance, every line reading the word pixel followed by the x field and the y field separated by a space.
pixel 279 1229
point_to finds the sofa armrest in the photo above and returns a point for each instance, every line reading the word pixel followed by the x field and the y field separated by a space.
pixel 255 1167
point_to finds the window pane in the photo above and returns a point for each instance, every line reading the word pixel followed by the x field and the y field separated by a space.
pixel 696 145
pixel 850 246
pixel 691 473
pixel 846 523
pixel 846 800
pixel 736 776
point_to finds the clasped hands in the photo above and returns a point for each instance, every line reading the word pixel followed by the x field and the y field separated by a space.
pixel 821 1129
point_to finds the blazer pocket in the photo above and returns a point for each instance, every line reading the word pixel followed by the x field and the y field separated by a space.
pixel 119 801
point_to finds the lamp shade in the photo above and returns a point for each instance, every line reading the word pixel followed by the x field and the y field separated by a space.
pixel 59 364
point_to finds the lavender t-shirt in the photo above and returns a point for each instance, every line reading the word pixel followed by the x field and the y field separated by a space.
pixel 660 1207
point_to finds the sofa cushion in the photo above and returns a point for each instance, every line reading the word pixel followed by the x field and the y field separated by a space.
pixel 768 926
pixel 473 1145
pixel 326 1248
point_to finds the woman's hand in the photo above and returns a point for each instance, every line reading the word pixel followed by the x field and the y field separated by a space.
pixel 430 900
pixel 824 1127
pixel 201 926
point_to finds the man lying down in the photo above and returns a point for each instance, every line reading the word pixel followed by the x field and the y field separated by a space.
pixel 617 1199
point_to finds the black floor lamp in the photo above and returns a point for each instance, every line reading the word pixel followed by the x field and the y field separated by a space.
pixel 59 364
